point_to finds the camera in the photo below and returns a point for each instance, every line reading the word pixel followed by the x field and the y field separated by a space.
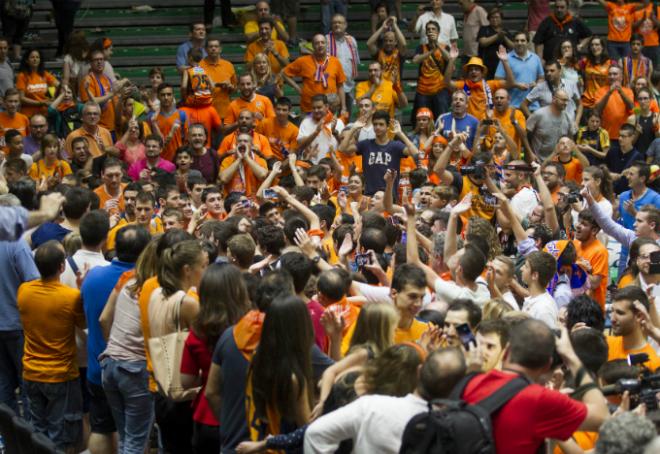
pixel 269 194
pixel 478 171
pixel 362 259
pixel 642 390
pixel 573 197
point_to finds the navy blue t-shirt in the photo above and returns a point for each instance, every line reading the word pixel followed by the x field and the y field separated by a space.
pixel 376 159
pixel 48 231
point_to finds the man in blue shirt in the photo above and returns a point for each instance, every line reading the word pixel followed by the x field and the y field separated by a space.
pixel 526 66
pixel 458 120
pixel 632 200
pixel 197 40
pixel 95 290
pixel 17 267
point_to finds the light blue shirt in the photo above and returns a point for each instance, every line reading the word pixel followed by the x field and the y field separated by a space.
pixel 17 267
pixel 182 53
pixel 13 222
pixel 525 71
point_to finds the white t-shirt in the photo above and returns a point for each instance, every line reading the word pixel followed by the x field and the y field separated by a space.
pixel 449 291
pixel 524 201
pixel 83 259
pixel 542 307
pixel 447 27
pixel 325 141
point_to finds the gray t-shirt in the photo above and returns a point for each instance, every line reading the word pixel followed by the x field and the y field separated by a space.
pixel 541 93
pixel 545 129
pixel 654 151
pixel 6 77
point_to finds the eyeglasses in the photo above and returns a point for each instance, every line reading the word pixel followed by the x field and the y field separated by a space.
pixel 38 126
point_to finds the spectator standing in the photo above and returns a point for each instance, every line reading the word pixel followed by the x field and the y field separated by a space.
pixel 458 120
pixel 548 124
pixel 169 122
pixel 491 37
pixel 391 52
pixel 226 14
pixel 526 67
pixel 197 39
pixel 278 54
pixel 281 133
pixel 97 136
pixel 15 19
pixel 622 158
pixel 32 82
pixel 38 129
pixel 541 94
pixel 620 19
pixel 77 203
pixel 262 10
pixel 65 15
pixel 474 17
pixel 11 118
pixel 259 105
pixel 19 268
pixel 345 48
pixel 244 169
pixel 146 168
pixel 50 313
pixel 594 68
pixel 204 159
pixel 592 255
pixel 447 25
pixel 222 75
pixel 321 73
pixel 6 70
pixel 560 25
pixel 433 77
pixel 328 9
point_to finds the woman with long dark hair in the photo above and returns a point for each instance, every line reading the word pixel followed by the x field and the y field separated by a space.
pixel 223 300
pixel 279 389
pixel 32 82
pixel 594 67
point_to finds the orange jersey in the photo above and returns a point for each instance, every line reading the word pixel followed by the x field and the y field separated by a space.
pixel 596 254
pixel 258 140
pixel 384 96
pixel 615 113
pixel 505 120
pixel 40 170
pixel 19 122
pixel 220 72
pixel 199 86
pixel 257 47
pixel 619 21
pixel 617 351
pixel 259 104
pixel 391 66
pixel 646 28
pixel 412 334
pixel 478 95
pixel 595 77
pixel 431 77
pixel 319 77
pixel 279 137
pixel 166 122
pixel 93 86
pixel 573 169
pixel 206 116
pixel 35 86
pixel 96 142
pixel 104 197
pixel 243 180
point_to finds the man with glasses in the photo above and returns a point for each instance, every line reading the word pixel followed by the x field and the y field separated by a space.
pixel 38 129
pixel 97 136
pixel 553 174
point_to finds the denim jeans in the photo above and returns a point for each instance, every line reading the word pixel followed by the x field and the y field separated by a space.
pixel 11 367
pixel 618 50
pixel 56 411
pixel 126 385
pixel 438 103
pixel 328 9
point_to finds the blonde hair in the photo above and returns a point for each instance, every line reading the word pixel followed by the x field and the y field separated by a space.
pixel 480 227
pixel 375 327
pixel 146 266
pixel 495 309
pixel 173 260
pixel 259 81
pixel 72 243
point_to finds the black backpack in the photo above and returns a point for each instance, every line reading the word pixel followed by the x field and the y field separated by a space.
pixel 457 427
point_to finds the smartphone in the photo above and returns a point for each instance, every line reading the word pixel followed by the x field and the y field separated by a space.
pixel 343 189
pixel 655 263
pixel 465 335
pixel 487 121
pixel 245 204
pixel 362 259
pixel 270 194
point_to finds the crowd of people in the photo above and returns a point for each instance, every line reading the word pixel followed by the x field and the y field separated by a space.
pixel 206 265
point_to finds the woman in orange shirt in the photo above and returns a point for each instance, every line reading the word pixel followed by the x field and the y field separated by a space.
pixel 51 166
pixel 33 81
pixel 594 67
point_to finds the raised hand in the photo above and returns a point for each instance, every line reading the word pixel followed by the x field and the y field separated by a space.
pixel 502 53
pixel 463 205
pixel 453 51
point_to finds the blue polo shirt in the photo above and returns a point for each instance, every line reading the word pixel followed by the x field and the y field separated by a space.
pixel 468 124
pixel 525 70
pixel 95 290
pixel 17 267
pixel 650 197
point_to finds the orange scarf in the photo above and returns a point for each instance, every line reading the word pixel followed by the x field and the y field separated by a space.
pixel 560 23
pixel 247 333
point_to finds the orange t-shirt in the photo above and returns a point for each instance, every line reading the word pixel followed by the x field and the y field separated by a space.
pixel 258 140
pixel 585 440
pixel 615 112
pixel 259 104
pixel 103 136
pixel 165 123
pixel 596 254
pixel 279 136
pixel 35 86
pixel 431 73
pixel 646 28
pixel 222 71
pixel 148 288
pixel 347 163
pixel 306 68
pixel 243 179
pixel 199 87
pixel 49 312
pixel 507 126
pixel 477 100
pixel 619 21
pixel 412 334
pixel 384 97
pixel 100 86
pixel 257 47
pixel 595 77
pixel 206 116
pixel 573 169
pixel 40 170
pixel 616 351
pixel 19 122
pixel 104 197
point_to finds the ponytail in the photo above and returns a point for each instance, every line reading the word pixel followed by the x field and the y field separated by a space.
pixel 172 262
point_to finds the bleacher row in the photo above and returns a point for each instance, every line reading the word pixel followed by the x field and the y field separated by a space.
pixel 145 39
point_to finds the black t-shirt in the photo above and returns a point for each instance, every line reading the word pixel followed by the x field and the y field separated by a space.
pixel 550 35
pixel 489 53
pixel 376 159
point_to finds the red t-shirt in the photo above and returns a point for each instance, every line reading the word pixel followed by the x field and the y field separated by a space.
pixel 534 414
pixel 197 357
pixel 316 310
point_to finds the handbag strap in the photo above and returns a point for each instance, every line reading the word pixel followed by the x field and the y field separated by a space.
pixel 177 313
